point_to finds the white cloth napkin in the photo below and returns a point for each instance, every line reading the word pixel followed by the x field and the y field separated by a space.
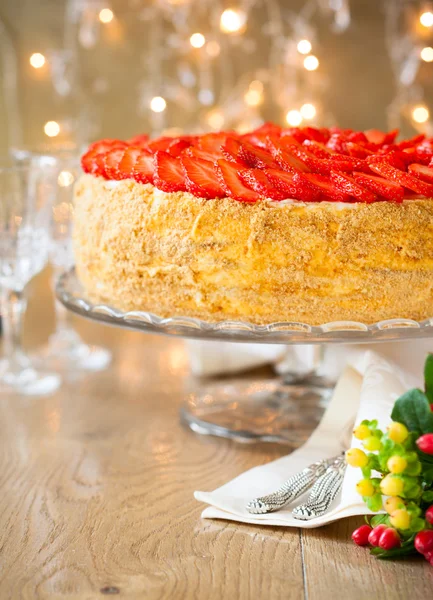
pixel 368 389
pixel 208 359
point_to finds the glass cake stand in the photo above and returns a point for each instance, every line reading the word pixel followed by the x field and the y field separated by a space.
pixel 285 409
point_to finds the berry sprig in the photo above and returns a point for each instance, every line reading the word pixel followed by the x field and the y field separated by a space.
pixel 397 470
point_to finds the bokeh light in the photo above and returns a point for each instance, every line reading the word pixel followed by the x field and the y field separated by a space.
pixel 427 54
pixel 304 47
pixel 52 128
pixel 311 62
pixel 294 118
pixel 37 60
pixel 420 114
pixel 197 40
pixel 106 15
pixel 158 104
pixel 426 19
pixel 308 111
pixel 232 20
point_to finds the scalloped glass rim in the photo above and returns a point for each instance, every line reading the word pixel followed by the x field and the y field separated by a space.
pixel 70 292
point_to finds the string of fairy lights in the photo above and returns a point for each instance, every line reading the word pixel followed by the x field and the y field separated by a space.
pixel 290 80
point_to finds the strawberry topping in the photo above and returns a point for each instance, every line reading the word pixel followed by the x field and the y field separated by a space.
pixel 201 178
pixel 229 177
pixel 168 174
pixel 308 164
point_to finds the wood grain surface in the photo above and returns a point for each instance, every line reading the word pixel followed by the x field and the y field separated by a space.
pixel 97 486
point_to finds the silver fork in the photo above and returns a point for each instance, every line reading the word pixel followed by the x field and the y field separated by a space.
pixel 323 492
pixel 291 489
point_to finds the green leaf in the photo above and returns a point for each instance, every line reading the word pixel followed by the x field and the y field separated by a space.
pixel 427 497
pixel 406 549
pixel 413 469
pixel 374 503
pixel 413 410
pixel 366 472
pixel 417 524
pixel 428 377
pixel 427 473
pixel 379 520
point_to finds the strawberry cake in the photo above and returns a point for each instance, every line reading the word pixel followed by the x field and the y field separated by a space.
pixel 302 224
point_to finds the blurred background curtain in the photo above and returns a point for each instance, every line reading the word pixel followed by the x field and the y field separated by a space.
pixel 76 70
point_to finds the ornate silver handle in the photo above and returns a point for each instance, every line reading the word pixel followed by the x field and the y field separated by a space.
pixel 323 492
pixel 291 489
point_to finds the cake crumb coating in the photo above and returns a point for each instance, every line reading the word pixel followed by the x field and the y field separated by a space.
pixel 174 254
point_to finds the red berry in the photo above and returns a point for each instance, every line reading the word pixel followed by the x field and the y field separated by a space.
pixel 389 539
pixel 201 178
pixel 126 165
pixel 230 151
pixel 168 175
pixel 358 151
pixel 425 443
pixel 162 143
pixel 383 168
pixel 178 145
pixel 255 157
pixel 326 188
pixel 143 167
pixel 360 535
pixel 112 160
pixel 387 189
pixel 256 180
pixel 212 143
pixel 292 185
pixel 429 515
pixel 424 173
pixel 375 534
pixel 424 541
pixel 347 184
pixel 288 162
pixel 229 178
pixel 375 136
pixel 429 555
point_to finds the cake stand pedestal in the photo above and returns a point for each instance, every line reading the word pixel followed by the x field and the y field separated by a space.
pixel 285 409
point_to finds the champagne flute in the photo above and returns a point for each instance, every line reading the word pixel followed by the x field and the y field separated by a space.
pixel 66 350
pixel 26 193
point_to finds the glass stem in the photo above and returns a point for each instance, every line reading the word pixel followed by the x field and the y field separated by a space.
pixel 62 315
pixel 13 303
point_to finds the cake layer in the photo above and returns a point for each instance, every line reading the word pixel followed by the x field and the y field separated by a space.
pixel 174 254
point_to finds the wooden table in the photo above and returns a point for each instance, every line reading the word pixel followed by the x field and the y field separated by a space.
pixel 97 499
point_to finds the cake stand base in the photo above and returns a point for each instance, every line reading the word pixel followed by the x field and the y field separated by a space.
pixel 262 410
pixel 285 410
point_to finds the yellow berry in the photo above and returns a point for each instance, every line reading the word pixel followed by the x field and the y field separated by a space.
pixel 365 487
pixel 356 458
pixel 391 486
pixel 372 443
pixel 397 432
pixel 361 432
pixel 393 503
pixel 396 464
pixel 400 519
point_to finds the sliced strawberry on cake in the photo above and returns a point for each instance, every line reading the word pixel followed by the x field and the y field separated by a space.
pixel 257 180
pixel 231 182
pixel 168 173
pixel 201 178
pixel 348 185
pixel 407 180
